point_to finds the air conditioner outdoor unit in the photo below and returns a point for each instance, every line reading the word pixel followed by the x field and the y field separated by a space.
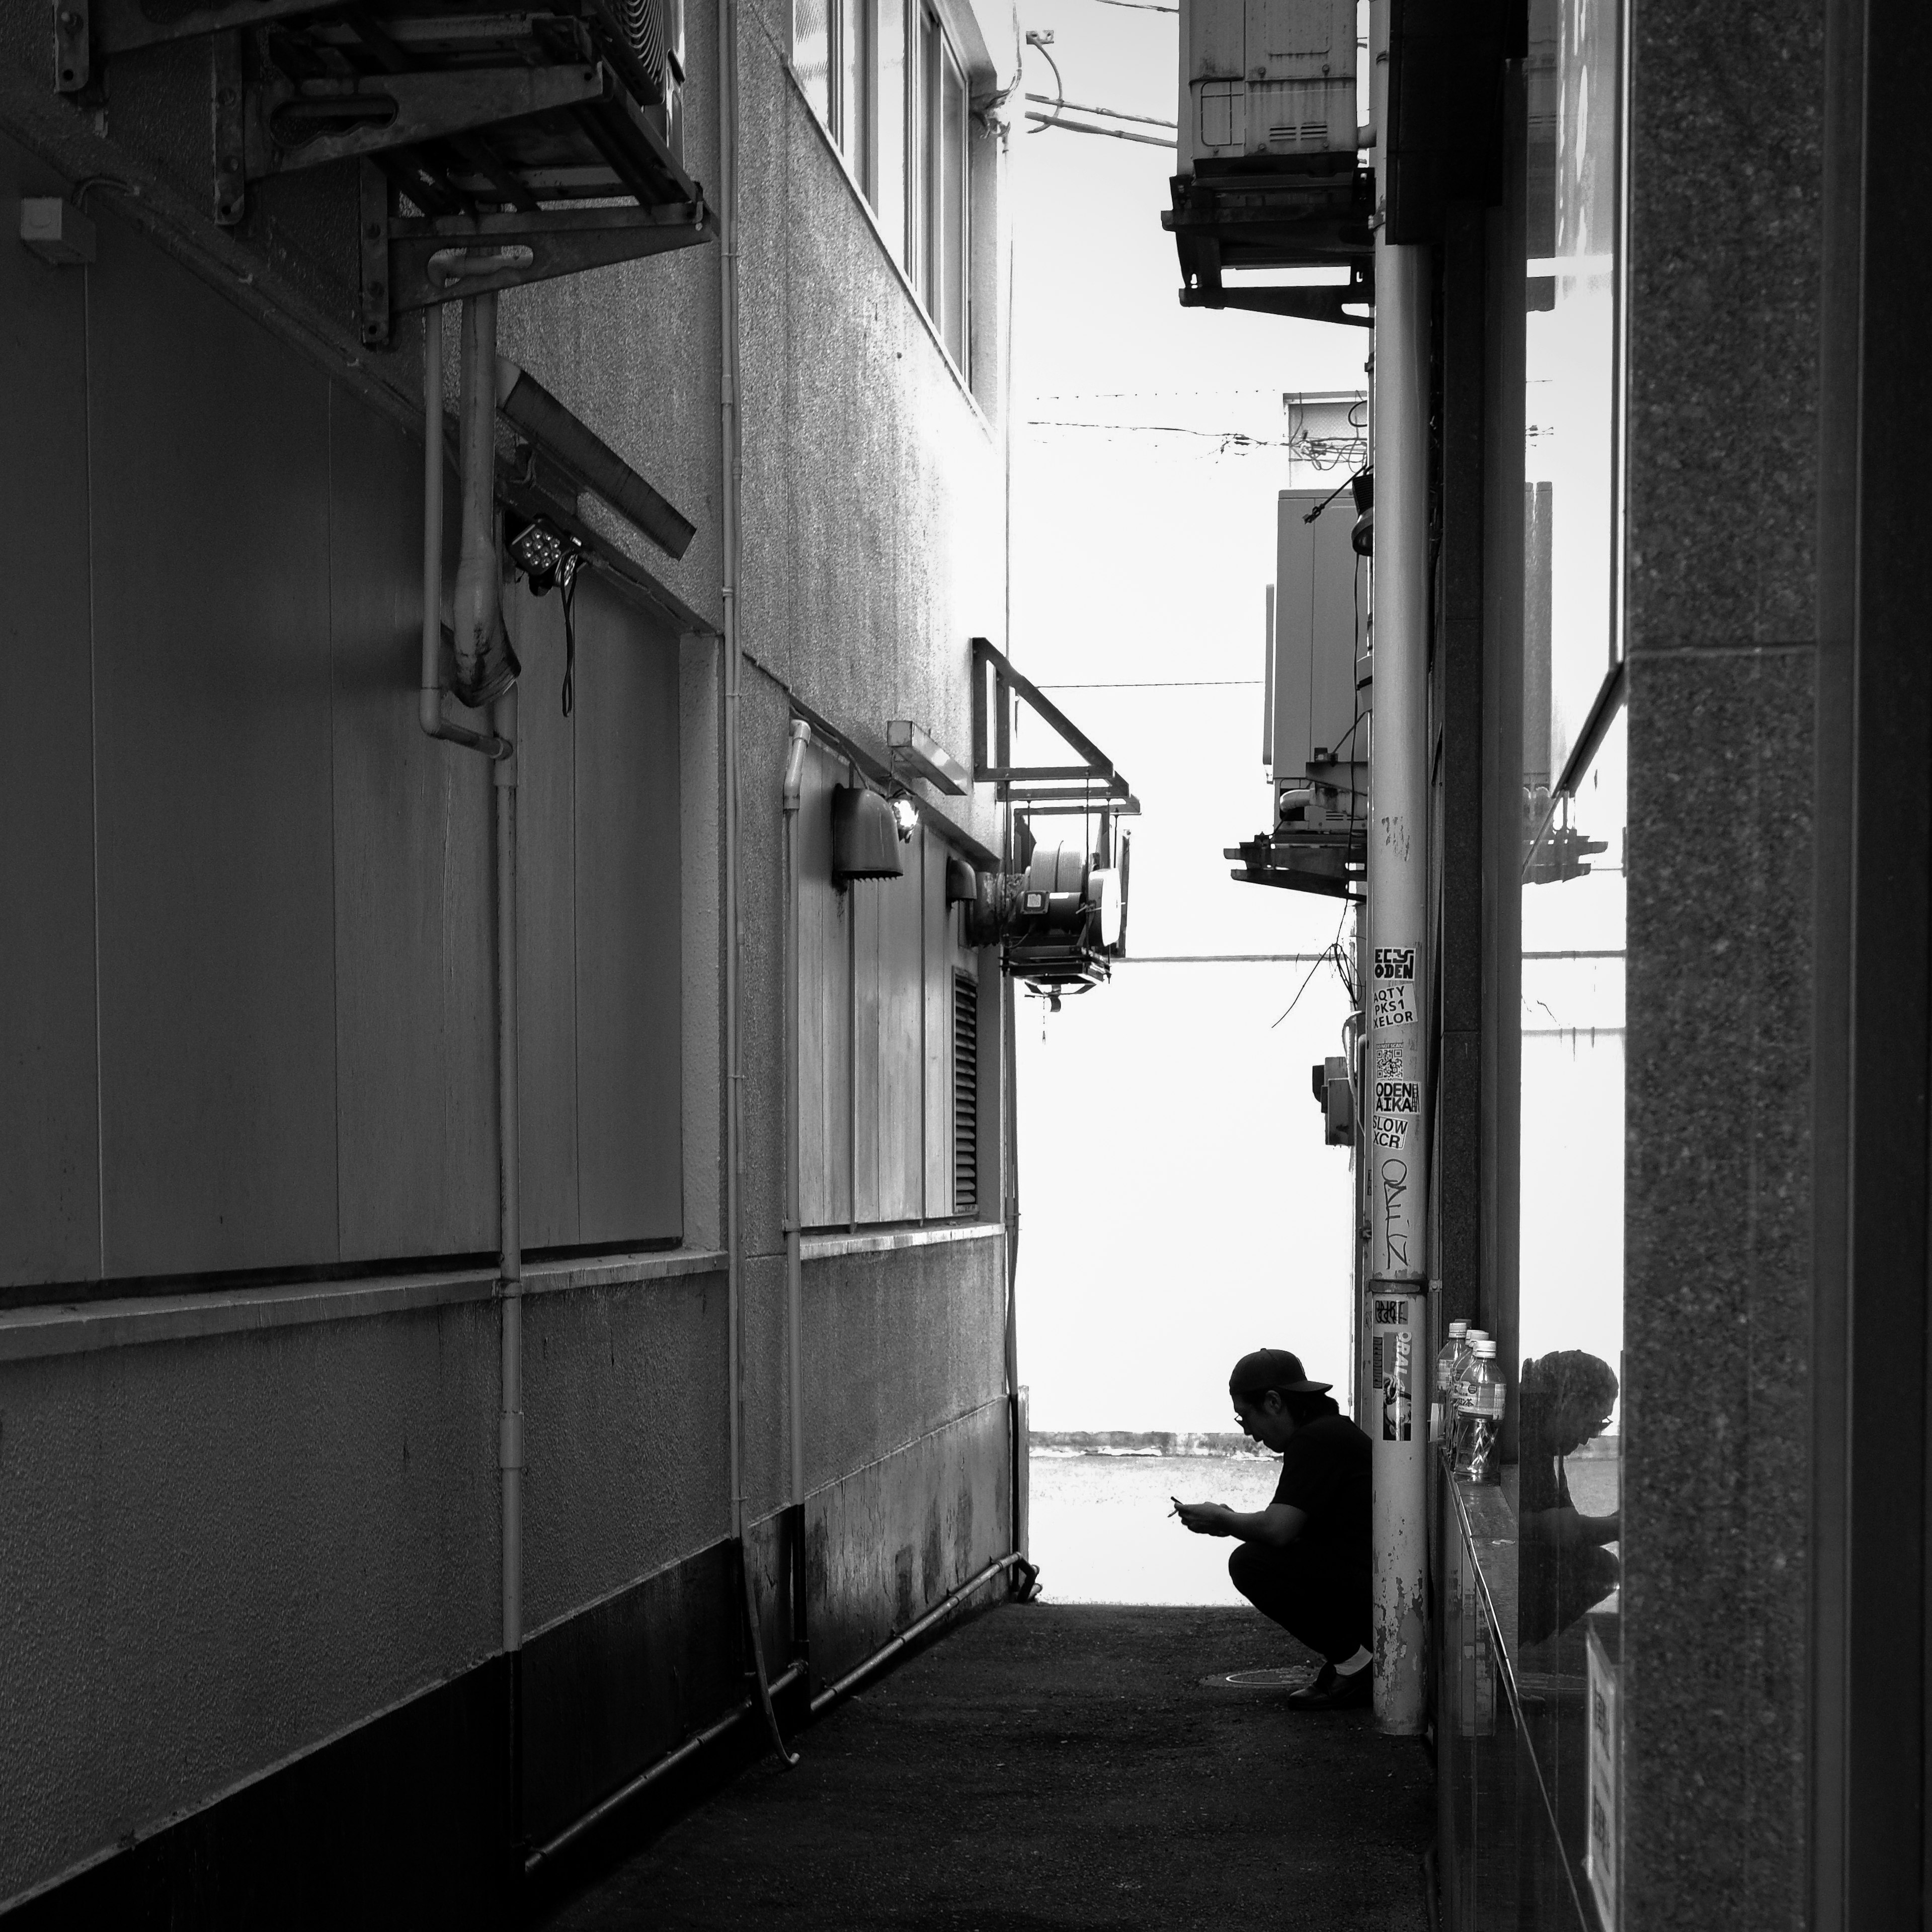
pixel 1266 78
pixel 1060 924
pixel 1318 694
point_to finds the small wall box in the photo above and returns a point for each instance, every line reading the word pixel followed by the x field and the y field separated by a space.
pixel 56 231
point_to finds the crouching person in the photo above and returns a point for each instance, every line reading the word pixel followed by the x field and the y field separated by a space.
pixel 1304 1561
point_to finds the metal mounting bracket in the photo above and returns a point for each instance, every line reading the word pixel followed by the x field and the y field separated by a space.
pixel 437 260
pixel 70 46
pixel 371 113
pixel 373 232
pixel 227 104
pixel 120 26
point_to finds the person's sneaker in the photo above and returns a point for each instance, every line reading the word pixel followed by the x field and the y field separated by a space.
pixel 1332 1691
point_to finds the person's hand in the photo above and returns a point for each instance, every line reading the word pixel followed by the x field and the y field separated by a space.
pixel 1204 1519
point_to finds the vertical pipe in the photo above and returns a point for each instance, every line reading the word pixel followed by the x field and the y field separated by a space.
pixel 429 697
pixel 794 772
pixel 429 694
pixel 510 1260
pixel 728 411
pixel 485 664
pixel 730 438
pixel 1397 1141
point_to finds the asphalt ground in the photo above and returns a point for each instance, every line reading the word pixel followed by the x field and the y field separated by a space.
pixel 1049 1766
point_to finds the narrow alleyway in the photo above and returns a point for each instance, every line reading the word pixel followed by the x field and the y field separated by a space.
pixel 1054 1766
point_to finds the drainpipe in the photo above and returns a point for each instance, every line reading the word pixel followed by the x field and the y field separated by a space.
pixel 794 773
pixel 429 696
pixel 479 596
pixel 1396 1074
pixel 510 1260
pixel 728 523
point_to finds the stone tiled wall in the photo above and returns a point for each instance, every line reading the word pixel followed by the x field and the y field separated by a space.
pixel 1726 168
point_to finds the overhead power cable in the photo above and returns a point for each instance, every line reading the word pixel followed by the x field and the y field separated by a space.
pixel 1141 6
pixel 1046 120
pixel 1223 437
pixel 1112 113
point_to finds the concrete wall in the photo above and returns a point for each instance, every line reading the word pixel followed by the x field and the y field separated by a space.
pixel 1726 166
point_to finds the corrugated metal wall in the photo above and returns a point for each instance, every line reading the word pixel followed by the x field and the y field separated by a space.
pixel 876 961
pixel 245 979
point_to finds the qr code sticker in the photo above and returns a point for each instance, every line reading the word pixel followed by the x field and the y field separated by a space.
pixel 1389 1063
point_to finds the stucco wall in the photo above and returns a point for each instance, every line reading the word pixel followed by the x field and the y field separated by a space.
pixel 216 1552
pixel 626 1434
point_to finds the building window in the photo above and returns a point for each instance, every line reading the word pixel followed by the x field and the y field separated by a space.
pixel 936 186
pixel 891 90
pixel 965 1094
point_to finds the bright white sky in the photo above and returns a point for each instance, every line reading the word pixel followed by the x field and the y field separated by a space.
pixel 1178 1207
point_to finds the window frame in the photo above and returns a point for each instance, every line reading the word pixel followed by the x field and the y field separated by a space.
pixel 935 240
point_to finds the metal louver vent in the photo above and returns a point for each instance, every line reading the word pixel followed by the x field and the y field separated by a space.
pixel 965 1095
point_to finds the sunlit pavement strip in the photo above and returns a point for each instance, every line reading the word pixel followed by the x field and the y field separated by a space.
pixel 1050 1766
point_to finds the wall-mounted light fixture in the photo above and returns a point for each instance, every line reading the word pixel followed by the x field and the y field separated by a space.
pixel 864 836
pixel 544 554
pixel 905 815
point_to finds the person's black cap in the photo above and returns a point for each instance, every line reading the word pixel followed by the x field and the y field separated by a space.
pixel 1272 1369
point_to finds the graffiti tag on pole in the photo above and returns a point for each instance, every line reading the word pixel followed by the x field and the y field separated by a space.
pixel 1395 1077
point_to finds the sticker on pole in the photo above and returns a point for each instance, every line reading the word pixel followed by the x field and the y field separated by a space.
pixel 1398 1097
pixel 1395 962
pixel 1393 1007
pixel 1394 1365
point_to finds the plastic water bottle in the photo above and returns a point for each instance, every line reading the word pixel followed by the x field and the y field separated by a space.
pixel 1456 1396
pixel 1482 1415
pixel 1441 1411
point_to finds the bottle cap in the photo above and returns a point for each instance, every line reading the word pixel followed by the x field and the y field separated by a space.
pixel 1476 1335
pixel 1459 1328
pixel 1485 1347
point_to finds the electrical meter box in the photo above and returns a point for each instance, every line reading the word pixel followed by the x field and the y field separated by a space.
pixel 1313 735
pixel 1266 77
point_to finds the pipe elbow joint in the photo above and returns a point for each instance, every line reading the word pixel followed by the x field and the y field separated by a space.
pixel 486 664
pixel 794 770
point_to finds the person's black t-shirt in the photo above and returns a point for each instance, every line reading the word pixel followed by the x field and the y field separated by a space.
pixel 1324 1470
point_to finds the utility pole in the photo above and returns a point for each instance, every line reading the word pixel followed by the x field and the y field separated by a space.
pixel 1395 1152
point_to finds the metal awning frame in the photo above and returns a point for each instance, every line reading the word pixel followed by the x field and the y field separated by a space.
pixel 1094 786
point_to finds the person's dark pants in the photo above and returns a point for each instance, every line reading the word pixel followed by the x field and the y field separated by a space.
pixel 1313 1594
